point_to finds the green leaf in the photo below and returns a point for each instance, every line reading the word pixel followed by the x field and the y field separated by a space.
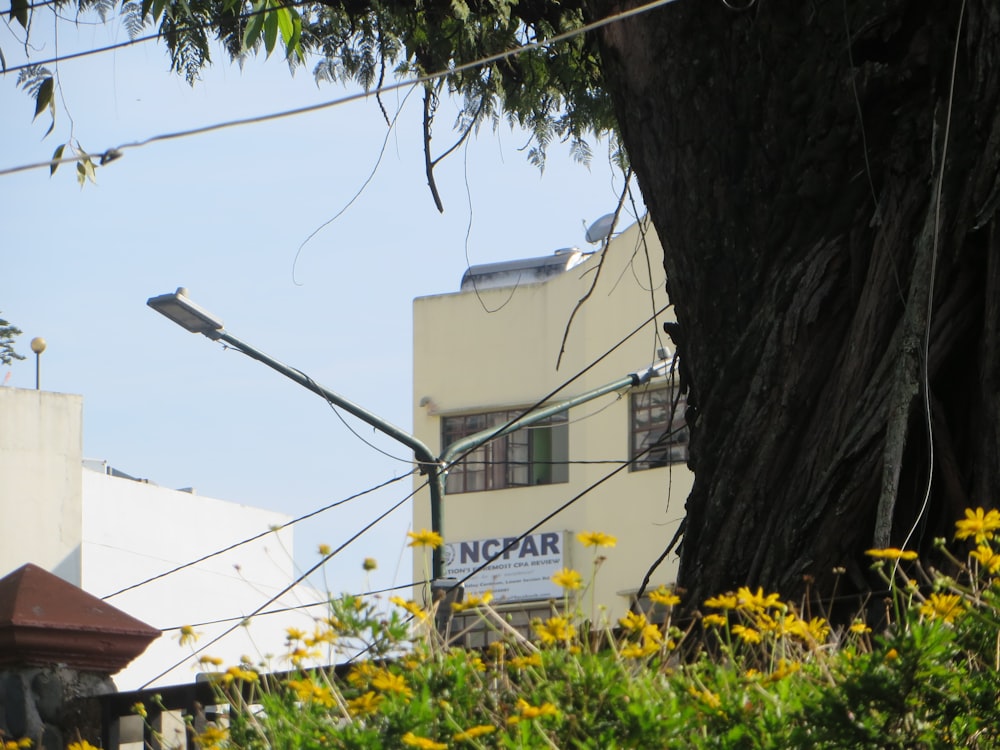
pixel 43 98
pixel 19 12
pixel 255 24
pixel 57 154
pixel 85 171
pixel 285 25
pixel 270 31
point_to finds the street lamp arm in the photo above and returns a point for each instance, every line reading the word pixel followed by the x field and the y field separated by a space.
pixel 471 442
pixel 420 450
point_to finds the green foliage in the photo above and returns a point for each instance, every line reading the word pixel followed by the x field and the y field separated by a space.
pixel 750 673
pixel 38 82
pixel 7 335
pixel 553 91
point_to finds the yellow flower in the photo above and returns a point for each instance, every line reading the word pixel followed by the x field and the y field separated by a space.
pixel 891 655
pixel 633 622
pixel 527 711
pixel 723 601
pixel 424 743
pixel 891 553
pixel 324 550
pixel 652 634
pixel 635 651
pixel 365 704
pixel 785 668
pixel 554 629
pixel 859 627
pixel 945 607
pixel 568 579
pixel 707 697
pixel 320 636
pixel 987 558
pixel 978 523
pixel 309 691
pixel 596 539
pixel 473 732
pixel 362 673
pixel 747 635
pixel 212 737
pixel 410 606
pixel 424 538
pixel 294 634
pixel 238 673
pixel 664 596
pixel 300 654
pixel 758 601
pixel 714 620
pixel 520 662
pixel 139 709
pixel 209 661
pixel 369 564
pixel 391 683
pixel 187 636
pixel 472 602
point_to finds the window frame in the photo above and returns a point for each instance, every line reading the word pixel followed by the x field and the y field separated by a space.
pixel 642 435
pixel 498 464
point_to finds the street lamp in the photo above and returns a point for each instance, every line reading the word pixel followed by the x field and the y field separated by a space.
pixel 190 316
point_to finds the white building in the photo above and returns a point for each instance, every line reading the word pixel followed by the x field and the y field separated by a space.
pixel 105 531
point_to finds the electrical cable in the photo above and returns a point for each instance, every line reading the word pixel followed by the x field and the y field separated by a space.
pixel 548 397
pixel 534 527
pixel 115 152
pixel 296 608
pixel 395 479
pixel 378 519
pixel 254 538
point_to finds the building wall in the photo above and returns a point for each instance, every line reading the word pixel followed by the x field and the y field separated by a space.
pixel 468 359
pixel 134 531
pixel 41 448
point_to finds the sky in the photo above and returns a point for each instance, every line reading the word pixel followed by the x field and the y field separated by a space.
pixel 224 214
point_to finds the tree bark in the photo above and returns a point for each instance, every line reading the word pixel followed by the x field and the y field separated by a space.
pixel 825 270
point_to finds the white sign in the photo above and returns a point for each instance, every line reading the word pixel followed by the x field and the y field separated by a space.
pixel 522 573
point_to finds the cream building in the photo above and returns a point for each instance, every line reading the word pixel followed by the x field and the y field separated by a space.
pixel 486 353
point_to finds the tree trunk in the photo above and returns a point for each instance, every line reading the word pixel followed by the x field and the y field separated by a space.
pixel 791 157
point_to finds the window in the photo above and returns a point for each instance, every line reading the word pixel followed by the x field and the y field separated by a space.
pixel 659 435
pixel 529 456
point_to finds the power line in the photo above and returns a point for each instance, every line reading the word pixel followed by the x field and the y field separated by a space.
pixel 378 519
pixel 296 608
pixel 114 152
pixel 543 400
pixel 549 396
pixel 254 538
pixel 516 541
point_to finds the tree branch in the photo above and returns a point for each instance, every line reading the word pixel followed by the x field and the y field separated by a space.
pixel 429 97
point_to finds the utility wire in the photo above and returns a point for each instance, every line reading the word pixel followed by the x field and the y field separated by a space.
pixel 254 538
pixel 296 608
pixel 395 479
pixel 378 519
pixel 548 397
pixel 114 152
pixel 534 527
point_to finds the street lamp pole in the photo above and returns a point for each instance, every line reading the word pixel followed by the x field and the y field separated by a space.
pixel 190 316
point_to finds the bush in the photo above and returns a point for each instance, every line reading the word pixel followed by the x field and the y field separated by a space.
pixel 749 671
